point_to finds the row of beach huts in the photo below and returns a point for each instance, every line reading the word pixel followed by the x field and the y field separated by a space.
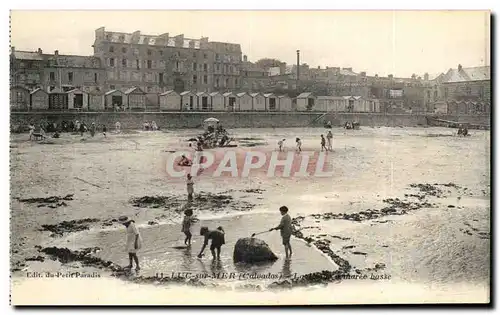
pixel 136 99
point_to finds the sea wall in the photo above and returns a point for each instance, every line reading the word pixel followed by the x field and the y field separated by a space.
pixel 176 120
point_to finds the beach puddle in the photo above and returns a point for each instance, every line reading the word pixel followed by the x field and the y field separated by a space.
pixel 163 250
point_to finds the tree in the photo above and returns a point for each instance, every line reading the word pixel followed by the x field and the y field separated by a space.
pixel 266 63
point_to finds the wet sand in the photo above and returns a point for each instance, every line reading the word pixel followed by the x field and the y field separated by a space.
pixel 444 243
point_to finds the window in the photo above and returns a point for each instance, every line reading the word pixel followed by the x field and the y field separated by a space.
pixel 137 64
pixel 435 95
pixel 445 92
pixel 194 66
pixel 205 79
pixel 428 94
pixel 95 77
pixel 178 54
pixel 160 78
pixel 177 65
pixel 124 63
pixel 161 52
pixel 124 50
pixel 149 52
pixel 111 62
pixel 227 82
pixel 52 76
pixel 194 55
pixel 217 57
pixel 195 79
pixel 205 67
pixel 468 90
pixel 111 87
pixel 218 67
pixel 70 76
pixel 205 56
pixel 481 92
pixel 217 82
pixel 150 64
pixel 230 69
pixel 236 81
pixel 108 37
pixel 111 49
pixel 136 51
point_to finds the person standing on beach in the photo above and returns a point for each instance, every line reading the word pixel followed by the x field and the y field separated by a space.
pixel 329 138
pixel 285 228
pixel 117 126
pixel 190 187
pixel 82 129
pixel 299 144
pixel 134 241
pixel 323 143
pixel 218 239
pixel 280 144
pixel 92 129
pixel 32 130
pixel 186 226
pixel 104 129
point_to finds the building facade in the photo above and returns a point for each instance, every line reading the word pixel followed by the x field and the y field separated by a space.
pixel 157 63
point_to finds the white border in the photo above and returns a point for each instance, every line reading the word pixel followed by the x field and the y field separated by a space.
pixel 200 4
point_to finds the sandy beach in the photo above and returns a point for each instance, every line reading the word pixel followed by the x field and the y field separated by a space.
pixel 406 215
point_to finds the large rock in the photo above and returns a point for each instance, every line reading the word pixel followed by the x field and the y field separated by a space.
pixel 252 250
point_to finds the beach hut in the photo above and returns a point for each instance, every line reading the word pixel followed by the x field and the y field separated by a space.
pixel 96 100
pixel 78 99
pixel 243 102
pixel 217 101
pixel 39 99
pixel 58 100
pixel 188 100
pixel 170 101
pixel 203 100
pixel 115 99
pixel 271 102
pixel 229 101
pixel 258 102
pixel 284 103
pixel 306 101
pixel 19 98
pixel 136 98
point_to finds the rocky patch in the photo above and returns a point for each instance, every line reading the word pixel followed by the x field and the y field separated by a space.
pixel 63 227
pixel 51 202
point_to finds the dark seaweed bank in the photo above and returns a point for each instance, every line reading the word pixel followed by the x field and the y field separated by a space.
pixel 51 202
pixel 63 227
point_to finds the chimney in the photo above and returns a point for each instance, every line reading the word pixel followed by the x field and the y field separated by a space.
pixel 56 53
pixel 390 76
pixel 426 76
pixel 40 51
pixel 298 65
pixel 363 74
pixel 319 67
pixel 245 58
pixel 12 49
pixel 459 67
pixel 326 67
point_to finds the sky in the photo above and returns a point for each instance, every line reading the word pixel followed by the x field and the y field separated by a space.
pixel 377 42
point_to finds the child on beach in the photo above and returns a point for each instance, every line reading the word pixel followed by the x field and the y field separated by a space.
pixel 299 144
pixel 280 144
pixel 285 228
pixel 329 137
pixel 190 187
pixel 134 241
pixel 217 237
pixel 104 129
pixel 32 130
pixel 186 226
pixel 323 143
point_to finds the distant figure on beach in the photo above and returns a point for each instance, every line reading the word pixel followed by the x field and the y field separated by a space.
pixel 299 144
pixel 184 161
pixel 134 241
pixel 280 144
pixel 56 134
pixel 329 138
pixel 323 143
pixel 186 226
pixel 32 130
pixel 92 129
pixel 218 239
pixel 154 126
pixel 190 187
pixel 118 127
pixel 285 228
pixel 104 129
pixel 77 126
pixel 82 129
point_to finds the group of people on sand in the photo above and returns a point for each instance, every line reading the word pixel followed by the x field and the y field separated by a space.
pixel 298 142
pixel 463 130
pixel 150 126
pixel 75 126
pixel 216 237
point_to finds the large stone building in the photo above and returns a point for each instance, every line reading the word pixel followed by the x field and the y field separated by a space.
pixel 157 63
pixel 54 71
